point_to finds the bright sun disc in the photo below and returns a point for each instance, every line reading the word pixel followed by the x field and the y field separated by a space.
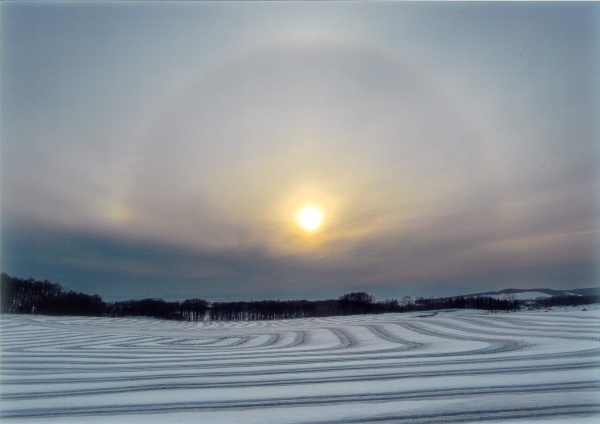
pixel 310 218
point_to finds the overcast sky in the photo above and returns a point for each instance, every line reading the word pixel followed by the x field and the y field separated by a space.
pixel 165 149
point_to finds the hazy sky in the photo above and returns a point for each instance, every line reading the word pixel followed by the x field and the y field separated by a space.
pixel 165 149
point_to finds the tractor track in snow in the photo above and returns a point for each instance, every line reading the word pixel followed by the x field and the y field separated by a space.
pixel 305 401
pixel 89 368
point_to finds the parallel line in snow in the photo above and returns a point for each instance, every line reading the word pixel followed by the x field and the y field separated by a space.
pixel 299 401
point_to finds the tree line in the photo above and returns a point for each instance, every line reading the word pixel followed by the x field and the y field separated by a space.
pixel 468 302
pixel 20 296
pixel 28 296
pixel 564 300
pixel 356 303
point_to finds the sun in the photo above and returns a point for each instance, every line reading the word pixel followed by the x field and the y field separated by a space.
pixel 310 218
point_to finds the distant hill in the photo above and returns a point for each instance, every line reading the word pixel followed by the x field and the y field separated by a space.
pixel 522 294
pixel 592 291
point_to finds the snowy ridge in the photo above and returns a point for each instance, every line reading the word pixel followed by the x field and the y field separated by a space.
pixel 528 294
pixel 451 366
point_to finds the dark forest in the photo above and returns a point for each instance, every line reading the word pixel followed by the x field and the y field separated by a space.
pixel 29 296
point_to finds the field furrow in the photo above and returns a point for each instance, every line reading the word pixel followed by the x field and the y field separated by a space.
pixel 451 367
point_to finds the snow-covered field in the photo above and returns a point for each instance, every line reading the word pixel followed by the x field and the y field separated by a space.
pixel 451 367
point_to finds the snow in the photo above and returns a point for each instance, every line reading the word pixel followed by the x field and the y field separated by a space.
pixel 530 295
pixel 449 366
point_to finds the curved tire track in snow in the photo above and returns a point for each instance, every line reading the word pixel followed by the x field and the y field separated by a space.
pixel 435 369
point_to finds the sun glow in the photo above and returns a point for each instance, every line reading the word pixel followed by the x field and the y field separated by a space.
pixel 310 218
